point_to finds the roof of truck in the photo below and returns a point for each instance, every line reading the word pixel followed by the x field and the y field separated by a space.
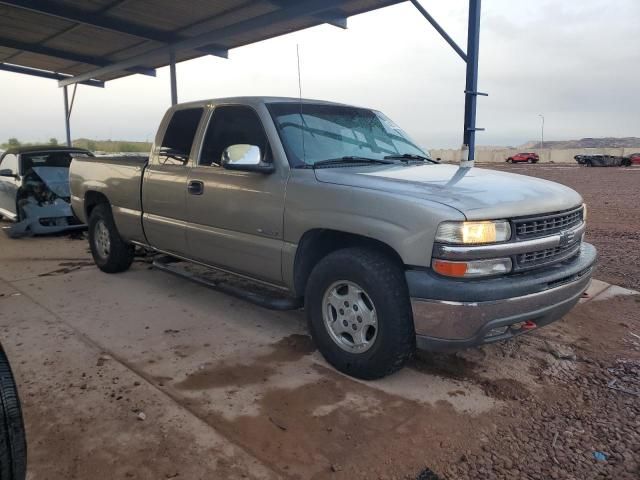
pixel 256 100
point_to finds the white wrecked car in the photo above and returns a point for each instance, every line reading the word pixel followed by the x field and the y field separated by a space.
pixel 34 189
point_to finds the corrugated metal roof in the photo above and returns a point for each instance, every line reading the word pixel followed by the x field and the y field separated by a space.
pixel 74 37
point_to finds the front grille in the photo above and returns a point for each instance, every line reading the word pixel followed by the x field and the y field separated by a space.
pixel 540 226
pixel 528 260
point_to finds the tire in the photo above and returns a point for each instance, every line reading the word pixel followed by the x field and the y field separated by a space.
pixel 509 160
pixel 384 291
pixel 529 160
pixel 110 253
pixel 13 444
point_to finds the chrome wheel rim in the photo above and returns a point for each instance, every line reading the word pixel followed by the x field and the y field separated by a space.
pixel 102 240
pixel 350 316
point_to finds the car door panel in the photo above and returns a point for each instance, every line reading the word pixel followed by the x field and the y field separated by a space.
pixel 164 200
pixel 164 186
pixel 236 221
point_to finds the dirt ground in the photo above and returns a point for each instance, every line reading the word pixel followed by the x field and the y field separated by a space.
pixel 143 375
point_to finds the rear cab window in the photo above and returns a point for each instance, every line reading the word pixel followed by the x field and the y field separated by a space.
pixel 179 136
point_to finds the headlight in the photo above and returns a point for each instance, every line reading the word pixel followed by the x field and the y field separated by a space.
pixel 472 268
pixel 473 232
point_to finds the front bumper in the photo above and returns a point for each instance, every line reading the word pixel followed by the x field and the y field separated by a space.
pixel 45 219
pixel 452 314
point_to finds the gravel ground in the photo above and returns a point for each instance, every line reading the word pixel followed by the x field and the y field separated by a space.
pixel 575 414
pixel 559 437
pixel 612 196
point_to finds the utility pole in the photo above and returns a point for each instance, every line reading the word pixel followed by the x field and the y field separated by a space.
pixel 542 133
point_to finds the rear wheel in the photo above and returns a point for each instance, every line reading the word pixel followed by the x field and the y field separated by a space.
pixel 509 160
pixel 110 253
pixel 13 445
pixel 359 313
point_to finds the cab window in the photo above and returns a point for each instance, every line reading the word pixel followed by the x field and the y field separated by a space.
pixel 233 125
pixel 179 136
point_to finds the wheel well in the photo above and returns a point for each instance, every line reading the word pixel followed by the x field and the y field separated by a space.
pixel 318 243
pixel 91 200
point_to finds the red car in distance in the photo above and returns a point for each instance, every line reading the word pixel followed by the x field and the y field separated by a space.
pixel 524 157
pixel 634 159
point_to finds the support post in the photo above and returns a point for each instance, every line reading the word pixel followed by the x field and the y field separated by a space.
pixel 174 81
pixel 67 115
pixel 471 89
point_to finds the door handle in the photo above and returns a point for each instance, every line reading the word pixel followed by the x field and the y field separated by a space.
pixel 195 187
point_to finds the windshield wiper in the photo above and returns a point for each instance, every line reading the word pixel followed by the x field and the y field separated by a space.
pixel 351 160
pixel 410 156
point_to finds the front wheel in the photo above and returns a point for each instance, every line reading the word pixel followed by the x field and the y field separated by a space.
pixel 530 160
pixel 110 253
pixel 359 313
pixel 509 160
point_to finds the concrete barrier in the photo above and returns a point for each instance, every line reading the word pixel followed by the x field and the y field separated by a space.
pixel 547 155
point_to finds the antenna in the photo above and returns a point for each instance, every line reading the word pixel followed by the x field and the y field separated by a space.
pixel 299 77
pixel 302 123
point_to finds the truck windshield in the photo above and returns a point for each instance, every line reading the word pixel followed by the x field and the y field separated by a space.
pixel 313 133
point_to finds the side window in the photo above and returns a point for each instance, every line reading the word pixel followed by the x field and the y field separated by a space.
pixel 178 138
pixel 233 125
pixel 10 162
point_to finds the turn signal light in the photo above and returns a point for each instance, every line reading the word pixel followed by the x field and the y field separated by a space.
pixel 472 268
pixel 450 269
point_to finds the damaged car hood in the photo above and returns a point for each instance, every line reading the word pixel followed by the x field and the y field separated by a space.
pixel 477 193
pixel 56 179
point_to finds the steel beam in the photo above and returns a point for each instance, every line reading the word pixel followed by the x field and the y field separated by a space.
pixel 306 7
pixel 335 18
pixel 174 80
pixel 471 89
pixel 67 115
pixel 66 55
pixel 94 19
pixel 8 67
pixel 339 21
pixel 439 29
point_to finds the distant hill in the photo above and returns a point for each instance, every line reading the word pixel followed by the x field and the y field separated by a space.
pixel 112 145
pixel 605 142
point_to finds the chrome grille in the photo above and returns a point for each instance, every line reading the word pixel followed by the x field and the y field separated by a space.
pixel 528 260
pixel 543 225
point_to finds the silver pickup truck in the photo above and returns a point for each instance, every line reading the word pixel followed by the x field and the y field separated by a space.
pixel 386 249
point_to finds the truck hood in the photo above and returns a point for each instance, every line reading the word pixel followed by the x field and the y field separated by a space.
pixel 478 193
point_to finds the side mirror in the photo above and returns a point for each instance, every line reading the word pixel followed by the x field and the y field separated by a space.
pixel 7 172
pixel 246 158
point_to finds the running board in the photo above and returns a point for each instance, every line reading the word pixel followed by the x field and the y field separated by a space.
pixel 166 264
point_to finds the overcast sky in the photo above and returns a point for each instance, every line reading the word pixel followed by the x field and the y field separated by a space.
pixel 575 61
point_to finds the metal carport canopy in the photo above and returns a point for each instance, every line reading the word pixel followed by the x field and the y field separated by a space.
pixel 94 41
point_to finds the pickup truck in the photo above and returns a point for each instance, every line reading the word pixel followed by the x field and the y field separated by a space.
pixel 386 249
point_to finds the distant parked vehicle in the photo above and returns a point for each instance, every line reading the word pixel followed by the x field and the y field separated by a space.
pixel 633 159
pixel 600 160
pixel 528 157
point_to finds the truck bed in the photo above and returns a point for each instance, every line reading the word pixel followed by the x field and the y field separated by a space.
pixel 118 178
